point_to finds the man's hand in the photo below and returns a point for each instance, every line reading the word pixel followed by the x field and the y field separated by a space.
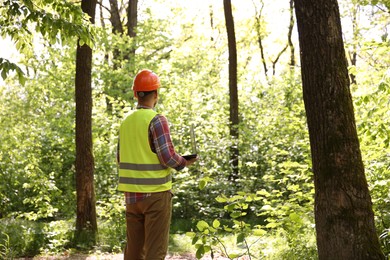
pixel 191 161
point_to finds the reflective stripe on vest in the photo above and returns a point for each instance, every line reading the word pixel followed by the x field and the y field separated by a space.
pixel 140 169
pixel 146 181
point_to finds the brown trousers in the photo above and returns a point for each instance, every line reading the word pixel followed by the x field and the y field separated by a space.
pixel 148 224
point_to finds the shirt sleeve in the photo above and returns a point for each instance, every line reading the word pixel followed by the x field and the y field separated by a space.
pixel 161 144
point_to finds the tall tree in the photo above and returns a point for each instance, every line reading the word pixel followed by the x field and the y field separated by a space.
pixel 258 17
pixel 117 28
pixel 131 25
pixel 343 209
pixel 233 93
pixel 127 54
pixel 115 17
pixel 86 225
pixel 289 35
pixel 132 20
pixel 16 17
pixel 353 52
pixel 260 35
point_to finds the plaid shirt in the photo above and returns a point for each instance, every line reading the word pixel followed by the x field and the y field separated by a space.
pixel 160 142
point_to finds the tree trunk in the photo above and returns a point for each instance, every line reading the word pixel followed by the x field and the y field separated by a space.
pixel 355 40
pixel 343 210
pixel 115 18
pixel 234 120
pixel 277 59
pixel 86 226
pixel 289 36
pixel 132 20
pixel 211 12
pixel 258 17
pixel 117 28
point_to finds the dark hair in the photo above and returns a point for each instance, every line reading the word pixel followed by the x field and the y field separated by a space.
pixel 144 94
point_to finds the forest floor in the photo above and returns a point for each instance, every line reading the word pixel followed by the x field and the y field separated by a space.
pixel 184 256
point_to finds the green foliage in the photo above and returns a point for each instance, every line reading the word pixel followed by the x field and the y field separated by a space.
pixel 180 244
pixel 289 225
pixel 25 237
pixel 206 240
pixel 112 227
pixel 267 213
pixel 385 241
pixel 372 122
pixel 56 21
pixel 5 248
pixel 58 235
pixel 39 122
pixel 6 67
pixel 385 3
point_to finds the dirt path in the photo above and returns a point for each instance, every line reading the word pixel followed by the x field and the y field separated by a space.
pixel 118 257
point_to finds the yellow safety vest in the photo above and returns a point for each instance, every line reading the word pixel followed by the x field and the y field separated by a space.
pixel 139 168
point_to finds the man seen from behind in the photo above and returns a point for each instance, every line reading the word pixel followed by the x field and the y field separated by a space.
pixel 146 157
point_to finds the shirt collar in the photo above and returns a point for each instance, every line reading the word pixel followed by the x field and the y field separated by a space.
pixel 144 107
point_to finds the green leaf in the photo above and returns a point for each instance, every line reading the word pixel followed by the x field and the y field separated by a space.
pixel 216 223
pixel 195 239
pixel 235 214
pixel 240 238
pixel 4 74
pixel 221 199
pixel 271 225
pixel 249 199
pixel 263 192
pixel 227 229
pixel 212 230
pixel 200 252
pixel 294 217
pixel 259 232
pixel 383 86
pixel 266 207
pixel 190 234
pixel 202 184
pixel 230 207
pixel 233 256
pixel 202 225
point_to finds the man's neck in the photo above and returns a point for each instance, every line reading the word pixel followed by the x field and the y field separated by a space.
pixel 147 106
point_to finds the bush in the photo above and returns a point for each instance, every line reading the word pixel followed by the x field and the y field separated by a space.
pixel 21 237
pixel 111 223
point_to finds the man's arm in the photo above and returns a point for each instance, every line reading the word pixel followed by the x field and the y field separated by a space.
pixel 161 144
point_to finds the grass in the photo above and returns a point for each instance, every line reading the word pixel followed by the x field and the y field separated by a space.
pixel 180 244
pixel 28 238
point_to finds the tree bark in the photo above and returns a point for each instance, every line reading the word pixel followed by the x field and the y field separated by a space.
pixel 353 53
pixel 343 209
pixel 233 93
pixel 132 21
pixel 86 226
pixel 211 12
pixel 132 18
pixel 258 15
pixel 277 59
pixel 289 35
pixel 115 18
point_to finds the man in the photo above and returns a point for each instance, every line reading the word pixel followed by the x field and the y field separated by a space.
pixel 145 157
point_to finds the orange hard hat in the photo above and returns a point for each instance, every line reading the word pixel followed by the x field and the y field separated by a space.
pixel 146 80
